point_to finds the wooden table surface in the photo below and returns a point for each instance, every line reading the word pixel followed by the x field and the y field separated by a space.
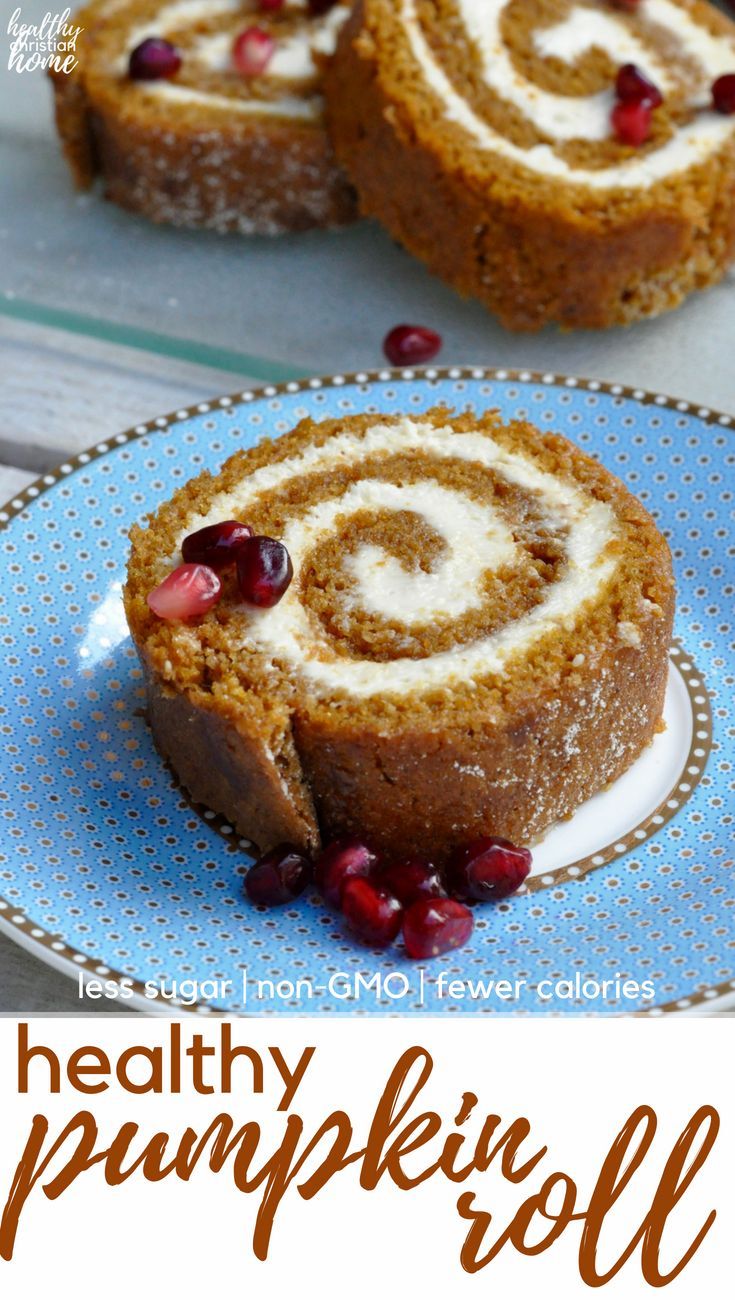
pixel 59 394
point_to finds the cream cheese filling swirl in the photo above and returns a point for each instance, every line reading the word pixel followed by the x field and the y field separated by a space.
pixel 477 541
pixel 563 118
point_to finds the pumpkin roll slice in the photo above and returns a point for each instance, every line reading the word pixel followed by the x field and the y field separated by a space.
pixel 206 112
pixel 561 161
pixel 474 641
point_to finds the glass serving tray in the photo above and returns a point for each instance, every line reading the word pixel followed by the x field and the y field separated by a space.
pixel 278 309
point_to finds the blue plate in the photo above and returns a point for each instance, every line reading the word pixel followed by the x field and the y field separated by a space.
pixel 105 867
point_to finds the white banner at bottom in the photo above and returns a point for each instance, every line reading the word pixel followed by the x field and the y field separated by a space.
pixel 505 1158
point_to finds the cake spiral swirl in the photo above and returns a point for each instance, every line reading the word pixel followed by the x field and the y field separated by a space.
pixel 474 606
pixel 481 132
pixel 551 131
pixel 562 543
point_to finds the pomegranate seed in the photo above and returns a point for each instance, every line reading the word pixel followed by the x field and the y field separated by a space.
pixel 413 879
pixel 270 6
pixel 723 93
pixel 632 122
pixel 215 545
pixel 409 345
pixel 264 570
pixel 278 877
pixel 634 87
pixel 373 913
pixel 253 50
pixel 153 60
pixel 488 869
pixel 341 861
pixel 189 591
pixel 434 925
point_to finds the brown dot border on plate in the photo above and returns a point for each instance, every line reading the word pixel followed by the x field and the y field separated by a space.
pixel 53 948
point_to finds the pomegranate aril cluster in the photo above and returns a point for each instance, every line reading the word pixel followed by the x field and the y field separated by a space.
pixel 263 568
pixel 637 97
pixel 381 900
